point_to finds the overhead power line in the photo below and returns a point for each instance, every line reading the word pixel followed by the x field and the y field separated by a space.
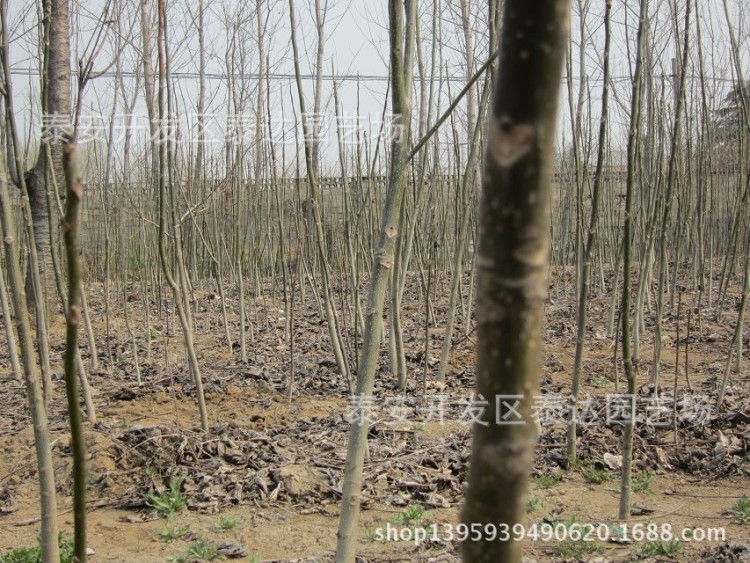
pixel 27 71
pixel 250 75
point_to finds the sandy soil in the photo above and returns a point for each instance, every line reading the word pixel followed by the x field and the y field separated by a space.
pixel 270 470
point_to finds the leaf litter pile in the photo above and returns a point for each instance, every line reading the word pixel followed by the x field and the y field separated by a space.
pixel 263 451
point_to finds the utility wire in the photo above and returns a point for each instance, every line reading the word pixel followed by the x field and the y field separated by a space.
pixel 28 71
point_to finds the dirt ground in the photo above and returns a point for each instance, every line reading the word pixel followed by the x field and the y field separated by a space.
pixel 266 480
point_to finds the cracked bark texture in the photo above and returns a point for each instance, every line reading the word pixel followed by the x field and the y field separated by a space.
pixel 56 104
pixel 512 264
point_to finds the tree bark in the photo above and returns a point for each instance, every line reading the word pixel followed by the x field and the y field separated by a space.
pixel 48 496
pixel 56 108
pixel 512 263
pixel 627 358
pixel 583 288
pixel 74 195
pixel 401 89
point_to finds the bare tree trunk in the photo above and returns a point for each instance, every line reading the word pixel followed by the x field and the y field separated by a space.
pixel 312 176
pixel 671 181
pixel 10 336
pixel 34 292
pixel 74 195
pixel 463 230
pixel 320 20
pixel 633 139
pixel 47 494
pixel 401 90
pixel 166 182
pixel 583 287
pixel 512 262
pixel 148 79
pixel 56 106
pixel 736 345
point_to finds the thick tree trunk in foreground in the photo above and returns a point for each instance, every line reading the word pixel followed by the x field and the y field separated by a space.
pixel 56 106
pixel 512 266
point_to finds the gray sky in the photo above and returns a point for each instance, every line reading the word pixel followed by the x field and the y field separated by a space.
pixel 356 44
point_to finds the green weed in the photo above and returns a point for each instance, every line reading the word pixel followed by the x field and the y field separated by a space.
pixel 410 515
pixel 175 533
pixel 671 549
pixel 34 554
pixel 642 482
pixel 741 510
pixel 549 480
pixel 597 476
pixel 170 502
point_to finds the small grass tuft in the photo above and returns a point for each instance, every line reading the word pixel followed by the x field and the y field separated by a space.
pixel 203 550
pixel 577 463
pixel 600 382
pixel 226 523
pixel 34 554
pixel 597 476
pixel 170 502
pixel 642 482
pixel 533 504
pixel 22 555
pixel 671 549
pixel 199 550
pixel 549 480
pixel 410 515
pixel 371 536
pixel 741 510
pixel 577 549
pixel 175 533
